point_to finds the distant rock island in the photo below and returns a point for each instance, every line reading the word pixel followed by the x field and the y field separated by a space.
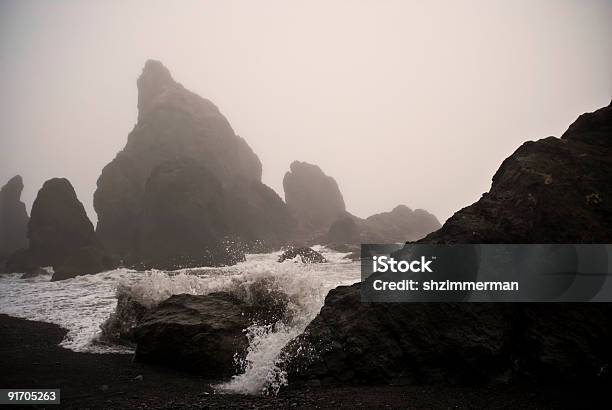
pixel 316 202
pixel 399 225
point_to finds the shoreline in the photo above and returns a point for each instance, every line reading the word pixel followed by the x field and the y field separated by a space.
pixel 31 358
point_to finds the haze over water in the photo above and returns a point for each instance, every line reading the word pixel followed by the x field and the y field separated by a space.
pixel 432 96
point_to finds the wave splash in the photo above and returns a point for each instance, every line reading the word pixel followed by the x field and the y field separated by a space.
pixel 82 304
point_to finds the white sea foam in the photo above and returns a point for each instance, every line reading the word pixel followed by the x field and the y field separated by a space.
pixel 81 304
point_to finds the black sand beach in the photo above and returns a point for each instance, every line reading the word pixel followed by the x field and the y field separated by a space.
pixel 31 358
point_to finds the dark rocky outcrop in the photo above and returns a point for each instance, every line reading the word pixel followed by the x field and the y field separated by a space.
pixel 175 125
pixel 548 191
pixel 197 333
pixel 551 190
pixel 13 218
pixel 353 342
pixel 307 255
pixel 60 235
pixel 313 198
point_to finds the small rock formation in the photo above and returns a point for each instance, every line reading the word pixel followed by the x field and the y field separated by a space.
pixel 400 225
pixel 313 198
pixel 13 218
pixel 60 235
pixel 548 191
pixel 307 255
pixel 175 125
pixel 197 333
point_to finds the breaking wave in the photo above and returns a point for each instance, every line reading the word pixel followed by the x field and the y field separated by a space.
pixel 82 304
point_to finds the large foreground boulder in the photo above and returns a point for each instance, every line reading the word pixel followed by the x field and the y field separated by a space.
pixel 175 125
pixel 13 218
pixel 60 235
pixel 552 190
pixel 203 334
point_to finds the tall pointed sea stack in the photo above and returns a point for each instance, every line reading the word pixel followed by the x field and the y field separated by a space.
pixel 174 126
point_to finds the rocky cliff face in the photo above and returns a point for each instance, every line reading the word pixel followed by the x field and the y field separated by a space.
pixel 313 198
pixel 175 124
pixel 13 217
pixel 60 235
pixel 551 190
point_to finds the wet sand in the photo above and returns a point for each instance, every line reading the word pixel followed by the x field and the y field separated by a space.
pixel 31 358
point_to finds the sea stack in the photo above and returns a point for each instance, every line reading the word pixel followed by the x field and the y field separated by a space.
pixel 178 126
pixel 60 235
pixel 313 198
pixel 13 217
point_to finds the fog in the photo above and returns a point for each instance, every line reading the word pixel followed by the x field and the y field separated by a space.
pixel 399 101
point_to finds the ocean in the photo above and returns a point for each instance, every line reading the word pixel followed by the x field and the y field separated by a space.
pixel 82 304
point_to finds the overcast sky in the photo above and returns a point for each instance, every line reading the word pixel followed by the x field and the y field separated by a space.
pixel 400 101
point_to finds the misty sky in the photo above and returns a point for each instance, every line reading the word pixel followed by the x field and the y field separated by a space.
pixel 399 101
